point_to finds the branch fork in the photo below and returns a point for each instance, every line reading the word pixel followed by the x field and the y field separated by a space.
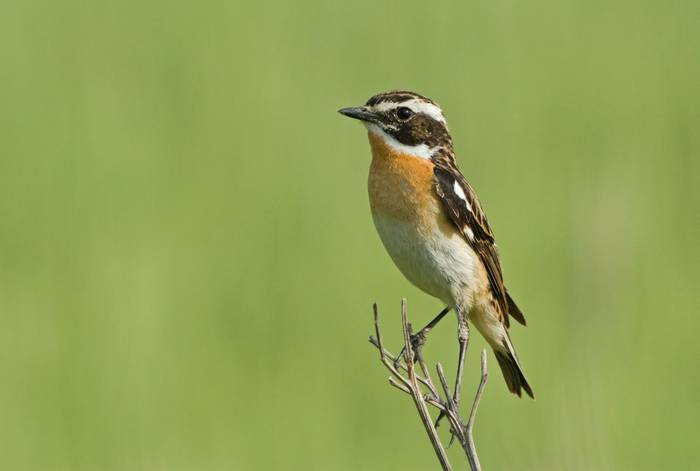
pixel 422 390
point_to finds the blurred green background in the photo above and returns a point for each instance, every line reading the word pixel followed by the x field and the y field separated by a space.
pixel 187 260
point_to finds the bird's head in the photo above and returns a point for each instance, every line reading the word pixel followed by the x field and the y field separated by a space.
pixel 404 120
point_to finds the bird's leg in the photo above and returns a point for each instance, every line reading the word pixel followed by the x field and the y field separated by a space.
pixel 463 339
pixel 419 338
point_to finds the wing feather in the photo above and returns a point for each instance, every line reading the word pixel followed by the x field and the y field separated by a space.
pixel 465 212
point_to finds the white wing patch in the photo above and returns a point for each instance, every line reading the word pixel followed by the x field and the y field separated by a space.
pixel 469 232
pixel 460 192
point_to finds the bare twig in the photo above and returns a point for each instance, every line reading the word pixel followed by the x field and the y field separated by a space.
pixel 471 454
pixel 411 385
pixel 402 367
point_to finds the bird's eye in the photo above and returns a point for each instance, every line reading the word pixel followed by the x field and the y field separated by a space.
pixel 404 113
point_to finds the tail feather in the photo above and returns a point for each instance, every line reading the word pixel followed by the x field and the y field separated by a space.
pixel 514 311
pixel 496 334
pixel 512 372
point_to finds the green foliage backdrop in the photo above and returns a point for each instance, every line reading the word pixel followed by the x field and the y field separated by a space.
pixel 187 260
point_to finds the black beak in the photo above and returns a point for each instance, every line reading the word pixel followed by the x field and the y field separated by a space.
pixel 359 112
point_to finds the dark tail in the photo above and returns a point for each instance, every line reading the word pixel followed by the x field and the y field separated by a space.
pixel 514 311
pixel 512 372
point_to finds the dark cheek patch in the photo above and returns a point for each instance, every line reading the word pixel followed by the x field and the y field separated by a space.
pixel 422 129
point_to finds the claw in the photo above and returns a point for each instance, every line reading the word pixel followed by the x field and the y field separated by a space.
pixel 453 435
pixel 417 341
pixel 397 361
pixel 419 338
pixel 441 416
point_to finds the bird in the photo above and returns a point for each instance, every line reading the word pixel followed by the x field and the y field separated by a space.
pixel 433 226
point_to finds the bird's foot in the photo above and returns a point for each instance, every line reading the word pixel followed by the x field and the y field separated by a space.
pixel 417 341
pixel 419 338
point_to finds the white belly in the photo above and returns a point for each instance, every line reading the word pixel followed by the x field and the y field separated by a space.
pixel 442 265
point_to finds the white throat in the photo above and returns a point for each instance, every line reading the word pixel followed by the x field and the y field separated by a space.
pixel 421 151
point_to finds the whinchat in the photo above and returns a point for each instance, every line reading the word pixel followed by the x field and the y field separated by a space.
pixel 432 224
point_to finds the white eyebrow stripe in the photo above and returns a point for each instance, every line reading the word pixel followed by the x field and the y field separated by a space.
pixel 426 108
pixel 418 106
pixel 460 192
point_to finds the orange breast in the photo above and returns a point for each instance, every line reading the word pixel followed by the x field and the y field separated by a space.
pixel 401 185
